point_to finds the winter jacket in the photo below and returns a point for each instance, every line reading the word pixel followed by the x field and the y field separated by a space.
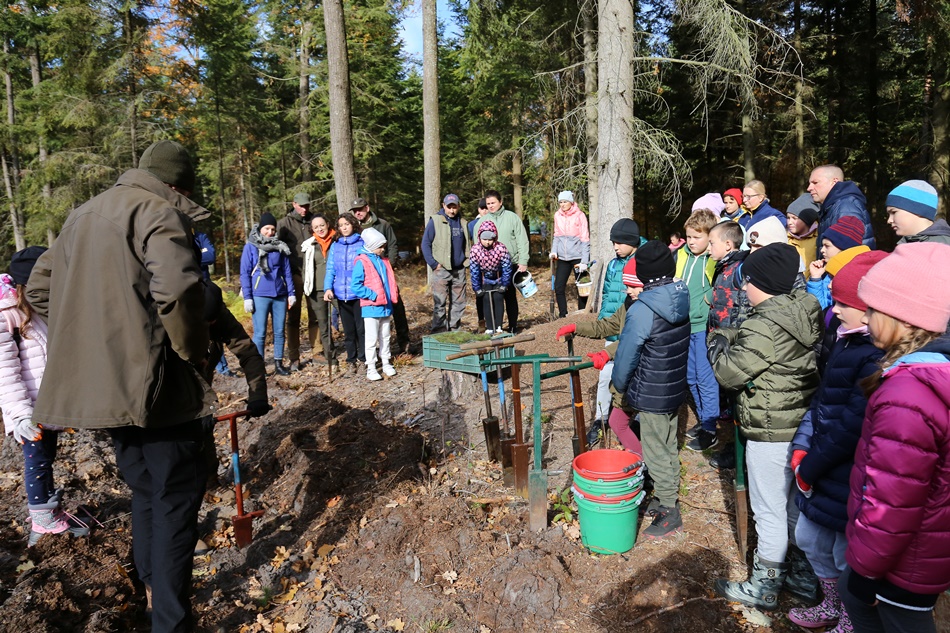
pixel 485 274
pixel 373 221
pixel 123 296
pixel 314 268
pixel 511 233
pixel 255 282
pixel 614 292
pixel 697 271
pixel 820 289
pixel 729 306
pixel 939 231
pixel 771 363
pixel 806 245
pixel 375 285
pixel 765 211
pixel 650 362
pixel 830 430
pixel 899 509
pixel 571 235
pixel 445 242
pixel 293 230
pixel 206 254
pixel 743 217
pixel 21 364
pixel 844 199
pixel 340 260
pixel 226 331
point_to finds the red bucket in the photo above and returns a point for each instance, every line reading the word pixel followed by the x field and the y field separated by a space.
pixel 604 498
pixel 607 465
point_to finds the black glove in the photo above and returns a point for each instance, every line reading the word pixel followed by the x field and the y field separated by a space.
pixel 718 346
pixel 257 408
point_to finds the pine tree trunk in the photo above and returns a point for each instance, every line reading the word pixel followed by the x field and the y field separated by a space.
pixel 133 103
pixel 940 165
pixel 599 240
pixel 517 179
pixel 799 106
pixel 432 162
pixel 341 133
pixel 874 139
pixel 42 156
pixel 11 163
pixel 303 95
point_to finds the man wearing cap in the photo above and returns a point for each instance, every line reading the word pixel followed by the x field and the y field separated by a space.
pixel 445 246
pixel 838 197
pixel 912 213
pixel 369 220
pixel 512 234
pixel 122 292
pixel 294 229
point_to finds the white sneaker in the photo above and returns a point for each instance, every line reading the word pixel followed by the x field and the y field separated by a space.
pixel 372 374
pixel 389 370
pixel 489 332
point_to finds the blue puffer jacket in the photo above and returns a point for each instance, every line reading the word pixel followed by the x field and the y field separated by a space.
pixel 340 266
pixel 650 362
pixel 831 428
pixel 256 283
pixel 766 210
pixel 844 199
pixel 614 292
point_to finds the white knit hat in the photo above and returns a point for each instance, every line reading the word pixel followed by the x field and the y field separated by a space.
pixel 372 239
pixel 565 196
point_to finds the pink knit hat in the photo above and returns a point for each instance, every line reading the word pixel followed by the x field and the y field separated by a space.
pixel 711 201
pixel 912 284
pixel 844 288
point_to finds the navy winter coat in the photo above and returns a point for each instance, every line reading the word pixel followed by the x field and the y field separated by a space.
pixel 844 199
pixel 831 428
pixel 650 363
pixel 766 210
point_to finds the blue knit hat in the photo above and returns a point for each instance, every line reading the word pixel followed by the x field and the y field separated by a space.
pixel 914 196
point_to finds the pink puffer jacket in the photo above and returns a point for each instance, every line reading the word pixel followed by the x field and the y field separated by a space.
pixel 21 367
pixel 899 510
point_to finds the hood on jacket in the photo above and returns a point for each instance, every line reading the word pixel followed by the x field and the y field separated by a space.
pixel 798 313
pixel 146 180
pixel 843 189
pixel 669 300
pixel 930 366
pixel 939 227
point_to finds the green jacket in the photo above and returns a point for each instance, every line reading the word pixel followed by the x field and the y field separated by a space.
pixel 604 328
pixel 511 233
pixel 772 364
pixel 690 268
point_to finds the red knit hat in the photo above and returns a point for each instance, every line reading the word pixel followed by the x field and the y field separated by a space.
pixel 844 288
pixel 911 284
pixel 735 193
pixel 630 274
pixel 846 233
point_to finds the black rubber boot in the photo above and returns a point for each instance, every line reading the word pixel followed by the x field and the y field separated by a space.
pixel 279 368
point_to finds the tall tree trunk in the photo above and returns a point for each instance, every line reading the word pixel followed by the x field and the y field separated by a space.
pixel 799 106
pixel 748 131
pixel 224 204
pixel 303 94
pixel 11 163
pixel 874 139
pixel 590 110
pixel 615 52
pixel 42 156
pixel 432 162
pixel 517 179
pixel 341 132
pixel 940 165
pixel 130 87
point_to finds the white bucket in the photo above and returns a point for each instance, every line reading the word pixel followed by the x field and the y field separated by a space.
pixel 525 284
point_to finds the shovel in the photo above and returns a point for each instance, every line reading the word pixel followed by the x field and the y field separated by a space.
pixel 579 439
pixel 506 440
pixel 490 422
pixel 742 497
pixel 537 478
pixel 243 523
pixel 519 450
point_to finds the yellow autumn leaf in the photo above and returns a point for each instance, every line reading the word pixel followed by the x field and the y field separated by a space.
pixel 396 625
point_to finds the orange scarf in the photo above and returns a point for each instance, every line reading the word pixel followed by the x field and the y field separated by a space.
pixel 325 242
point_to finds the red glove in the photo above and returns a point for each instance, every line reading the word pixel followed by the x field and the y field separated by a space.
pixel 570 328
pixel 797 457
pixel 600 359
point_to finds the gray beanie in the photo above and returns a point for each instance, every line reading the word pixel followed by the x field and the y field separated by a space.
pixel 169 162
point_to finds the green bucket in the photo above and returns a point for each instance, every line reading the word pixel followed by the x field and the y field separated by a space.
pixel 608 488
pixel 608 528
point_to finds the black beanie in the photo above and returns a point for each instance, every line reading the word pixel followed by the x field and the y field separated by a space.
pixel 772 269
pixel 214 301
pixel 654 261
pixel 625 231
pixel 169 162
pixel 267 219
pixel 22 263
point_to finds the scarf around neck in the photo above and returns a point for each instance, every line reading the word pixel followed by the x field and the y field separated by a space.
pixel 266 245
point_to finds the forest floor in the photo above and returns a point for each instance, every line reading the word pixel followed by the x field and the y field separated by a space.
pixel 382 513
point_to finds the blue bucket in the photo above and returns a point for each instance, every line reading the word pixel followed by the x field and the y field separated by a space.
pixel 525 284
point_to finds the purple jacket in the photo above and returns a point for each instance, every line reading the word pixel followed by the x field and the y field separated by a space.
pixel 899 510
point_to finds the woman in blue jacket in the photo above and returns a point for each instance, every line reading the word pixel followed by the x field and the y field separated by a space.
pixel 267 285
pixel 340 260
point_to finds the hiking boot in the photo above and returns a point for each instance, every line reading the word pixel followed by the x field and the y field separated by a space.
pixel 666 522
pixel 694 430
pixel 827 613
pixel 595 433
pixel 294 367
pixel 724 459
pixel 760 591
pixel 47 518
pixel 649 510
pixel 389 370
pixel 279 369
pixel 372 374
pixel 801 581
pixel 703 440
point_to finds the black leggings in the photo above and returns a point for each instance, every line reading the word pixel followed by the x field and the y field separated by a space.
pixel 561 275
pixel 354 339
pixel 493 305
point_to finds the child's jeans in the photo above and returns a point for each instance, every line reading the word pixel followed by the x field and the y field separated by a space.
pixel 38 458
pixel 771 496
pixel 277 308
pixel 824 548
pixel 702 382
pixel 377 332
